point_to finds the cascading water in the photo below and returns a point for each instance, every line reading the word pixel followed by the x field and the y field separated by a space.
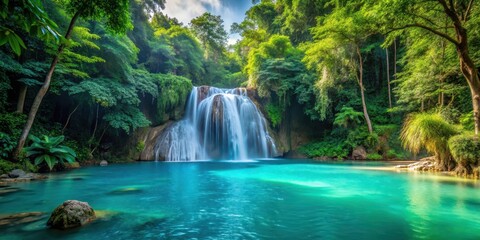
pixel 219 124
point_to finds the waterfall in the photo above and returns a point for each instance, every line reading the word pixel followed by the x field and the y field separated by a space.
pixel 218 124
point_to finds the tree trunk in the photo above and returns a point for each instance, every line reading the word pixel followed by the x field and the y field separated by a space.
pixel 362 91
pixel 21 98
pixel 474 84
pixel 43 90
pixel 467 66
pixel 388 81
pixel 69 117
pixel 395 59
pixel 470 72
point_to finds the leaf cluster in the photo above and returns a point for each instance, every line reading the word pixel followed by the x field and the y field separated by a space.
pixel 49 151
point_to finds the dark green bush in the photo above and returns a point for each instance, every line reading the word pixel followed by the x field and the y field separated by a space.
pixel 7 144
pixel 12 123
pixel 82 151
pixel 374 156
pixel 392 154
pixel 7 166
pixel 328 148
pixel 465 149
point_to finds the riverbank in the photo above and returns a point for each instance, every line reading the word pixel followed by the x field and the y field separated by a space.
pixel 425 168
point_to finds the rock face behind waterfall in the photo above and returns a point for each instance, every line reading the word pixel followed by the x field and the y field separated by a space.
pixel 219 124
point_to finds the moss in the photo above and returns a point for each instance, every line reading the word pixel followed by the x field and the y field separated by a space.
pixel 274 114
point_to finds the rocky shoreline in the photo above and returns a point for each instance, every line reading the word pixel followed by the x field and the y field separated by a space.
pixel 19 175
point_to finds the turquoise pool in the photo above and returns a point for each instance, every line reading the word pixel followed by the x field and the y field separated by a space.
pixel 268 199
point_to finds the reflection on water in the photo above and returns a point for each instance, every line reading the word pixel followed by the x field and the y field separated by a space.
pixel 251 200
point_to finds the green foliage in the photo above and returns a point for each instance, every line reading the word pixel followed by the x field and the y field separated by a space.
pixel 115 13
pixel 361 137
pixel 276 47
pixel 7 144
pixel 140 146
pixel 48 150
pixel 12 123
pixel 126 118
pixel 392 154
pixel 374 156
pixel 274 114
pixel 82 150
pixel 347 117
pixel 466 120
pixel 465 149
pixel 7 166
pixel 429 131
pixel 209 29
pixel 24 16
pixel 331 148
pixel 173 92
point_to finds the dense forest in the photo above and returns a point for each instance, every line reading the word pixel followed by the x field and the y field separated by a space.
pixel 79 79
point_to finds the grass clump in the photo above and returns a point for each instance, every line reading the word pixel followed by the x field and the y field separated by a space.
pixel 429 131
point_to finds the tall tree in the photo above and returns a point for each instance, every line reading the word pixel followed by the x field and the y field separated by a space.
pixel 462 21
pixel 210 31
pixel 342 34
pixel 117 18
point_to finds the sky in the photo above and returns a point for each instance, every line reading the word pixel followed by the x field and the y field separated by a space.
pixel 231 11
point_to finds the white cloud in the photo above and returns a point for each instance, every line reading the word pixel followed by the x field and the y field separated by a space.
pixel 186 10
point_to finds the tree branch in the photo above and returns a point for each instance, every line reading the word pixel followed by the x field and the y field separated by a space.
pixel 467 11
pixel 436 32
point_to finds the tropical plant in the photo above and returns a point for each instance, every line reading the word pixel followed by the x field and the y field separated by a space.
pixel 429 131
pixel 117 19
pixel 50 151
pixel 7 144
pixel 348 117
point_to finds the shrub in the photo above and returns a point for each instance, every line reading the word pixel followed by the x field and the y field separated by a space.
pixel 361 137
pixel 12 123
pixel 82 151
pixel 466 120
pixel 374 156
pixel 348 117
pixel 48 150
pixel 7 166
pixel 327 148
pixel 7 144
pixel 392 154
pixel 465 149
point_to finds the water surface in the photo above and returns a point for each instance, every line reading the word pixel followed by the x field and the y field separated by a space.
pixel 270 199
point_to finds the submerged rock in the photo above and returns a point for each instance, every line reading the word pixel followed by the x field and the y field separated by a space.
pixel 19 218
pixel 19 175
pixel 71 213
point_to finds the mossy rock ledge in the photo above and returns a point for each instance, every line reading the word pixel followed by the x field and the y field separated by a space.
pixel 70 214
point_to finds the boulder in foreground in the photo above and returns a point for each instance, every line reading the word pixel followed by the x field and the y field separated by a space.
pixel 70 214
